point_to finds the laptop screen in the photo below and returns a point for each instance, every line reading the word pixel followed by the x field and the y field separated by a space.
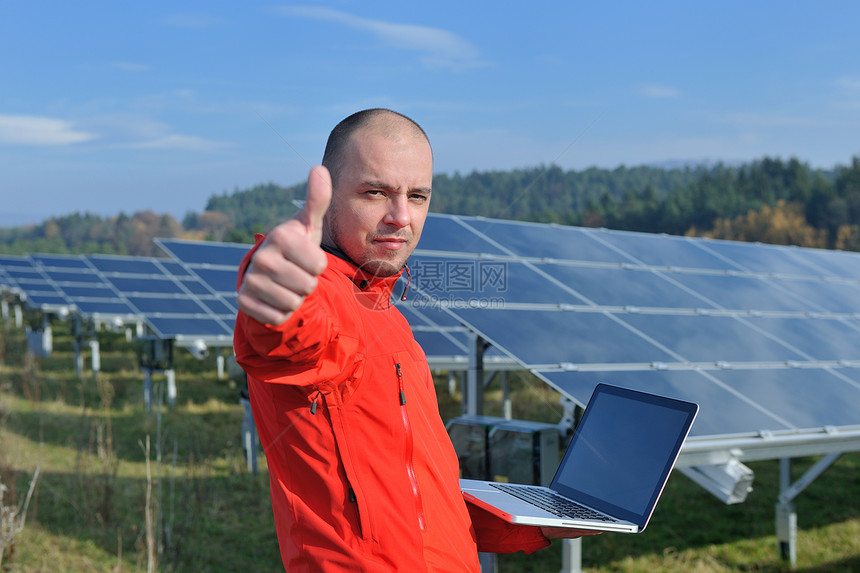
pixel 622 451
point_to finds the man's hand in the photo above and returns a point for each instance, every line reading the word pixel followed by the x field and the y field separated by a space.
pixel 284 269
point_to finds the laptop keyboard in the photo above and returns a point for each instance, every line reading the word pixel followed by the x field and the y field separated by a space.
pixel 554 504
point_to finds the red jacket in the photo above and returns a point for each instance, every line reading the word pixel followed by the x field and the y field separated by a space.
pixel 363 474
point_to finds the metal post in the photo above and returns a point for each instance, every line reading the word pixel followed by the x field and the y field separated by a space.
pixel 79 358
pixel 147 389
pixel 507 405
pixel 571 556
pixel 95 356
pixel 475 380
pixel 219 363
pixel 786 516
pixel 488 562
pixel 249 435
pixel 170 373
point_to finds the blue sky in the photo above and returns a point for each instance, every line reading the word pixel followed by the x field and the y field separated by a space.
pixel 113 106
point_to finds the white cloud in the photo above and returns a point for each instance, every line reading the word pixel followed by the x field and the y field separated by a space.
pixel 128 130
pixel 180 142
pixel 45 131
pixel 659 91
pixel 439 48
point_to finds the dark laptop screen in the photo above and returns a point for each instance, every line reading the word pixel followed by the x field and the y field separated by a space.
pixel 622 451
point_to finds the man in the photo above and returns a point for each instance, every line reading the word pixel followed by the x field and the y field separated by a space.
pixel 363 474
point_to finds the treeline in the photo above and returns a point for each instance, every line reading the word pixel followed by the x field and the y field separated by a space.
pixel 774 201
pixel 87 233
pixel 771 200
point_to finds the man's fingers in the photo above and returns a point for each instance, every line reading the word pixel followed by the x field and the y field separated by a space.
pixel 283 270
pixel 270 302
pixel 316 202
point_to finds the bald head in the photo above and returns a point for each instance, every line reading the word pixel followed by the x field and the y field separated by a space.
pixel 385 122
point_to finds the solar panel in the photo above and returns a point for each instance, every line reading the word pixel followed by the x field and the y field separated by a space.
pixel 36 289
pixel 82 287
pixel 745 330
pixel 174 303
pixel 214 264
pixel 703 319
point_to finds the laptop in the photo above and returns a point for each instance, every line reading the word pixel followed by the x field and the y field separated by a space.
pixel 613 470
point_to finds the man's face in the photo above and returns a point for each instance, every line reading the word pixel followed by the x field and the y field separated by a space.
pixel 380 200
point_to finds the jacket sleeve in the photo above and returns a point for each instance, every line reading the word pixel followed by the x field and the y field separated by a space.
pixel 285 353
pixel 494 535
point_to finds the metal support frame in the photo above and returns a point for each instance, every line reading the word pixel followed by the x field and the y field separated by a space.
pixel 147 389
pixel 474 399
pixel 170 374
pixel 786 514
pixel 95 356
pixel 571 556
pixel 219 364
pixel 249 436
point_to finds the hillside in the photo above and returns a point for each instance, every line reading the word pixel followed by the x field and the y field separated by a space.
pixel 771 200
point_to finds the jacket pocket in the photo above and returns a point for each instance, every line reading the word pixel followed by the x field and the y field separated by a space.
pixel 355 497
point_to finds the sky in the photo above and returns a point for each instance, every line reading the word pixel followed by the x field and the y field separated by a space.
pixel 110 107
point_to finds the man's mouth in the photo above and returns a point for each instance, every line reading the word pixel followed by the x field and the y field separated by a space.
pixel 392 243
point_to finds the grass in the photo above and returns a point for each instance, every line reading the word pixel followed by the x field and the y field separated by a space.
pixel 89 511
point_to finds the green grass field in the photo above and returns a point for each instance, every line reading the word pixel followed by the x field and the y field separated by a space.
pixel 208 513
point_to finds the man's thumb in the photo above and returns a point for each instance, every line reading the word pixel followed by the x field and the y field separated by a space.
pixel 316 201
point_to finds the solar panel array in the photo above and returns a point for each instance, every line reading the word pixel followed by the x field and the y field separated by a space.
pixel 764 337
pixel 175 303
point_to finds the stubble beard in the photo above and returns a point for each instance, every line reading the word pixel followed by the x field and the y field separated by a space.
pixel 378 267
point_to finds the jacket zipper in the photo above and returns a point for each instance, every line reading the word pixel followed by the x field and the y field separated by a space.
pixel 410 468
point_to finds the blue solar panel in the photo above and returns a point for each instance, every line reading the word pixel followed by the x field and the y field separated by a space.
pixel 172 327
pixel 105 308
pixel 723 411
pixel 145 284
pixel 220 280
pixel 449 234
pixel 663 250
pixel 205 252
pixel 604 286
pixel 760 258
pixel 165 305
pixel 37 290
pixel 60 261
pixel 485 281
pixel 167 295
pixel 712 321
pixel 754 333
pixel 541 241
pixel 743 292
pixel 138 266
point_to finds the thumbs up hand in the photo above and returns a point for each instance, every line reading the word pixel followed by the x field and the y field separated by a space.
pixel 284 269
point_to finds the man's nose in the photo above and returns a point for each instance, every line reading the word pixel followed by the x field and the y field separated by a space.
pixel 398 212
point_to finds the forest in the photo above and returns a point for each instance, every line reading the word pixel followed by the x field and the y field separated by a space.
pixel 770 200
